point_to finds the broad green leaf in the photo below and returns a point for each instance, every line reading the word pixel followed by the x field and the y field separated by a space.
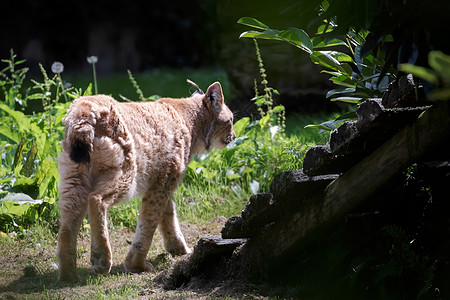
pixel 13 208
pixel 252 22
pixel 21 120
pixel 321 42
pixel 11 134
pixel 237 142
pixel 267 35
pixel 343 80
pixel 354 100
pixel 240 125
pixel 339 56
pixel 17 203
pixel 329 60
pixel 340 91
pixel 420 72
pixel 297 37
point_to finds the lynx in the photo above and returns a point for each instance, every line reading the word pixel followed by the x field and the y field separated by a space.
pixel 113 151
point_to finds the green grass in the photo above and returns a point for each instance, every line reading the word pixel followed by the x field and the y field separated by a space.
pixel 163 82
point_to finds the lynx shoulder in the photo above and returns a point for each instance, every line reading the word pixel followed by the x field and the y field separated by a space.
pixel 114 151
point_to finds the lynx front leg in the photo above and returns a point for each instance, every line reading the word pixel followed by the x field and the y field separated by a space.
pixel 169 227
pixel 101 256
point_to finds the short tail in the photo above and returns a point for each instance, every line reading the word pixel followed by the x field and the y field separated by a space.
pixel 80 129
pixel 79 152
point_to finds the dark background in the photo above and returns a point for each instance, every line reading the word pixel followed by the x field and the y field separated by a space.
pixel 144 35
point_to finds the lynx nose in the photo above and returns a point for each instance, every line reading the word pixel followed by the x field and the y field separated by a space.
pixel 231 137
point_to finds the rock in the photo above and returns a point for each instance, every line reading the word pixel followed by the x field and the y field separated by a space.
pixel 295 185
pixel 367 112
pixel 206 258
pixel 256 213
pixel 404 92
pixel 288 191
pixel 341 136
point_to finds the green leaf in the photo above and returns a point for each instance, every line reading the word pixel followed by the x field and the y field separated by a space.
pixel 321 42
pixel 440 63
pixel 343 80
pixel 236 142
pixel 17 203
pixel 354 100
pixel 324 28
pixel 88 90
pixel 240 125
pixel 278 108
pixel 28 167
pixel 346 116
pixel 329 59
pixel 10 133
pixel 270 34
pixel 420 72
pixel 319 126
pixel 264 120
pixel 18 155
pixel 297 37
pixel 252 22
pixel 233 176
pixel 339 56
pixel 340 91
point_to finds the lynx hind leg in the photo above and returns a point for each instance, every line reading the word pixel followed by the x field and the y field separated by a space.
pixel 152 208
pixel 101 254
pixel 169 228
pixel 73 206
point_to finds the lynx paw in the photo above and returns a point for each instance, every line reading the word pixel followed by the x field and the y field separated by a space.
pixel 101 262
pixel 146 267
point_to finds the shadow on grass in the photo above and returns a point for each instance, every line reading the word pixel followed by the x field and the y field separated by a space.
pixel 34 281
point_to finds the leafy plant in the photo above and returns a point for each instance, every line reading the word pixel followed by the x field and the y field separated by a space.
pixel 28 169
pixel 360 76
pixel 438 75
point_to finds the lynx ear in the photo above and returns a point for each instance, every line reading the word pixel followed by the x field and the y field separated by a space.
pixel 214 96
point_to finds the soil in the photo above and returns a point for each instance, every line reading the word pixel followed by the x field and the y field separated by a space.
pixel 28 270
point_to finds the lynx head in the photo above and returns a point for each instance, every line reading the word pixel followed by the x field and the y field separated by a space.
pixel 221 131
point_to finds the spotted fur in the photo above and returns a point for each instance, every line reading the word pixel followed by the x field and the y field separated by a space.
pixel 114 151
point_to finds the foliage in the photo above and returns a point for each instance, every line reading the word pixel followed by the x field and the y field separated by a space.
pixel 438 75
pixel 358 75
pixel 28 170
pixel 215 183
